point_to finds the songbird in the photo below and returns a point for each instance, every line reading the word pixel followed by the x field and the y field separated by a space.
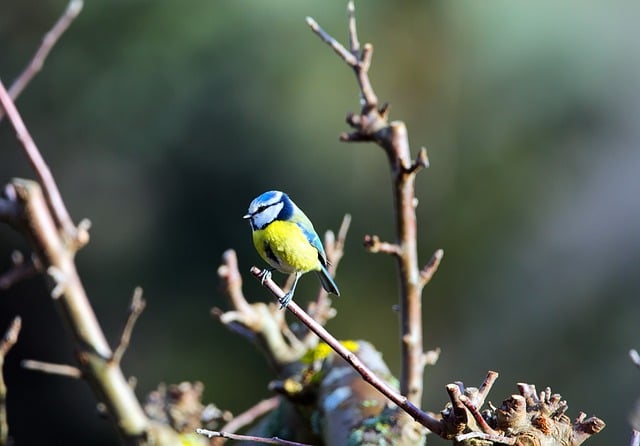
pixel 284 236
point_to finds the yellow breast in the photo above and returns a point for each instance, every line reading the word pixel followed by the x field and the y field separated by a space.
pixel 284 246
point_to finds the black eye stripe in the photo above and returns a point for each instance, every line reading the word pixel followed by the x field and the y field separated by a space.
pixel 266 206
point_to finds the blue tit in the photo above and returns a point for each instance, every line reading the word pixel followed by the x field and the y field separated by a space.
pixel 284 237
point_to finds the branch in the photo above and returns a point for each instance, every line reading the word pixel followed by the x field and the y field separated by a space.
pixel 373 244
pixel 9 340
pixel 403 402
pixel 19 270
pixel 250 415
pixel 430 268
pixel 35 65
pixel 372 124
pixel 54 369
pixel 321 309
pixel 230 436
pixel 135 310
pixel 77 237
pixel 260 323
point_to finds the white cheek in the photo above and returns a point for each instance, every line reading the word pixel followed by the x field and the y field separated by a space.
pixel 267 216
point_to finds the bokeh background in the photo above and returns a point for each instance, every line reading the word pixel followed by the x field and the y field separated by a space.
pixel 162 120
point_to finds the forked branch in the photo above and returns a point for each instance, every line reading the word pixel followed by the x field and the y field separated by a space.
pixel 372 124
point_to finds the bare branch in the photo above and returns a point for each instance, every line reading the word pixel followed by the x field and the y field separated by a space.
pixel 354 44
pixel 19 270
pixel 135 310
pixel 230 436
pixel 430 268
pixel 373 244
pixel 10 337
pixel 75 236
pixel 54 369
pixel 485 387
pixel 403 402
pixel 250 415
pixel 333 43
pixel 421 162
pixel 9 340
pixel 372 124
pixel 321 309
pixel 35 65
pixel 468 403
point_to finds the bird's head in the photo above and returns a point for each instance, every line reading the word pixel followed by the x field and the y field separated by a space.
pixel 270 206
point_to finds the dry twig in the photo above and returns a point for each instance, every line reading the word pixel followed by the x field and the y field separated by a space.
pixel 372 124
pixel 54 369
pixel 37 61
pixel 230 436
pixel 135 310
pixel 8 341
pixel 403 402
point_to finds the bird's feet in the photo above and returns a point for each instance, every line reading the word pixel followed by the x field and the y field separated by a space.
pixel 264 275
pixel 284 300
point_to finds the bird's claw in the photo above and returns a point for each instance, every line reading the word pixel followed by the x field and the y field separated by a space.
pixel 264 275
pixel 284 300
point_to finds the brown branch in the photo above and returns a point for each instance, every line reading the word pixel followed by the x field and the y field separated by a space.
pixel 250 415
pixel 482 424
pixel 401 401
pixel 19 270
pixel 76 237
pixel 426 273
pixel 57 257
pixel 372 124
pixel 262 324
pixel 8 341
pixel 230 436
pixel 373 244
pixel 54 369
pixel 135 310
pixel 37 61
pixel 321 309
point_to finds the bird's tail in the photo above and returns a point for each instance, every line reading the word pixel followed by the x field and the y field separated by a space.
pixel 327 281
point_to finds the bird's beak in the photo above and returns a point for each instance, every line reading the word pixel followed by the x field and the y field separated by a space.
pixel 246 216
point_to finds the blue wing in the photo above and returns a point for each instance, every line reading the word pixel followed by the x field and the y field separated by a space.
pixel 313 238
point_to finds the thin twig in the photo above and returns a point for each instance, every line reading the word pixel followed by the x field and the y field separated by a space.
pixel 135 310
pixel 345 54
pixel 403 402
pixel 52 193
pixel 230 436
pixel 373 244
pixel 485 387
pixel 372 124
pixel 37 61
pixel 54 369
pixel 482 423
pixel 430 268
pixel 20 270
pixel 9 340
pixel 250 415
pixel 321 309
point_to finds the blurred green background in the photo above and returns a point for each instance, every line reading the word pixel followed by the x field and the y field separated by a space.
pixel 161 120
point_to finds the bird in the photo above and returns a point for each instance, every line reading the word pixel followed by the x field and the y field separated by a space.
pixel 285 238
